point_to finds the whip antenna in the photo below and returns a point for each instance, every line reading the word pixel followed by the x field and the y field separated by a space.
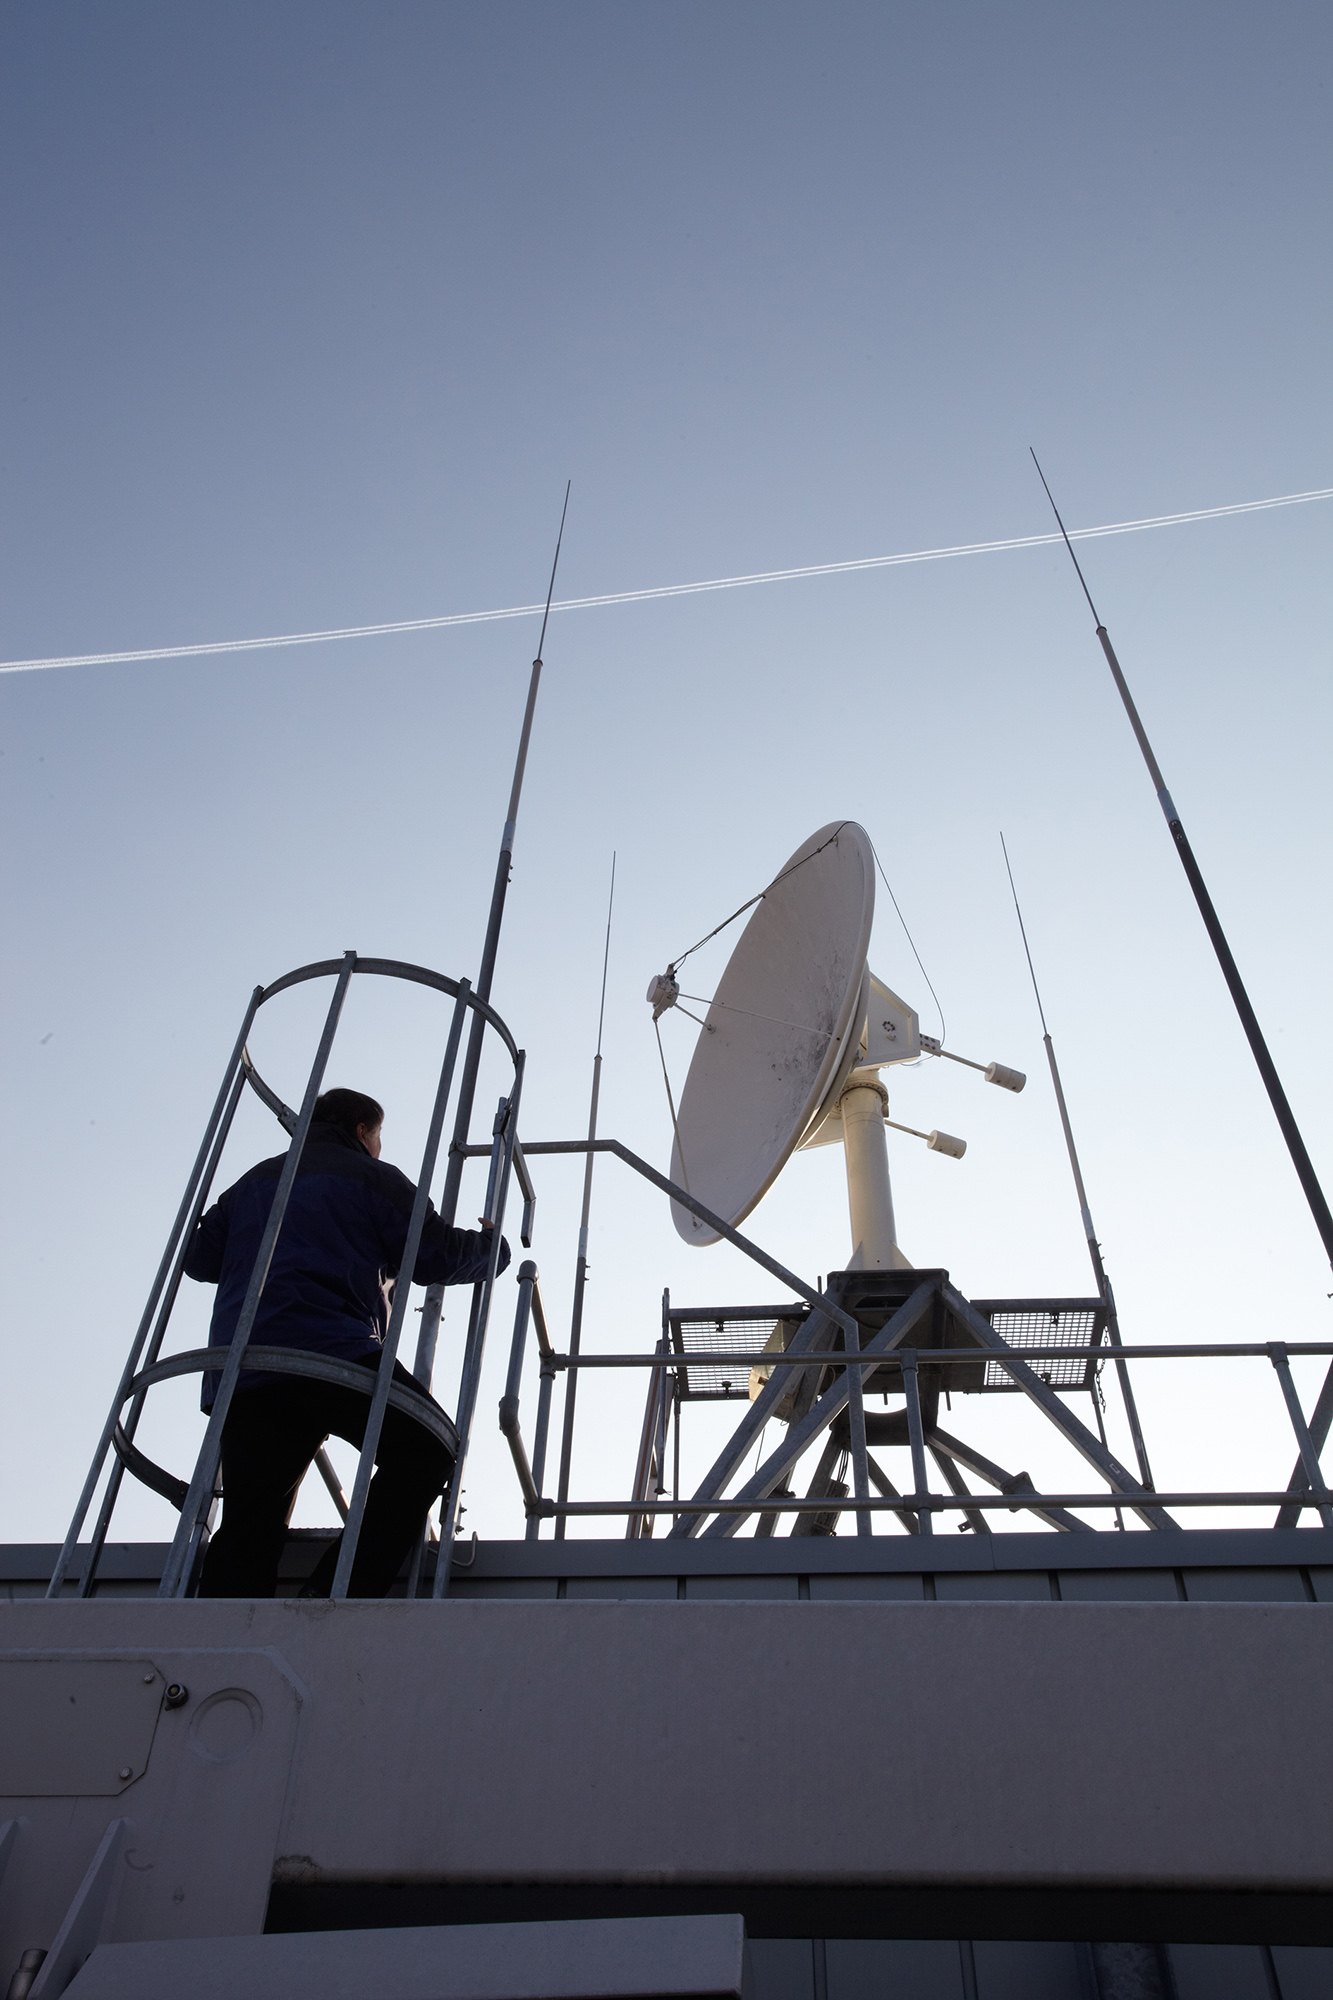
pixel 424 1364
pixel 581 1267
pixel 1094 1247
pixel 1314 1194
pixel 1305 1172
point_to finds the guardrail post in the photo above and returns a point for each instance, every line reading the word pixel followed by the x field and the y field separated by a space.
pixel 543 1404
pixel 916 1434
pixel 1277 1354
pixel 502 1161
pixel 856 1417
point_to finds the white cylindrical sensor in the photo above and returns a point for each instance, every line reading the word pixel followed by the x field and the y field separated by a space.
pixel 944 1142
pixel 1008 1079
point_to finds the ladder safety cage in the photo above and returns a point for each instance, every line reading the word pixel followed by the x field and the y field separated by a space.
pixel 197 1498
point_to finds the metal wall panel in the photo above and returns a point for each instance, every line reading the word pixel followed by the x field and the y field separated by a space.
pixel 874 1969
pixel 904 1589
pixel 1244 1586
pixel 1006 1586
pixel 1118 1586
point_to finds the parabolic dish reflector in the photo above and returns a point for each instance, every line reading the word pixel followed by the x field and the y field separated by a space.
pixel 782 1030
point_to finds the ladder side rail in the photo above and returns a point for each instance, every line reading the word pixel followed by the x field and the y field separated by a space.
pixel 467 1397
pixel 379 1402
pixel 70 1544
pixel 130 1422
pixel 175 1576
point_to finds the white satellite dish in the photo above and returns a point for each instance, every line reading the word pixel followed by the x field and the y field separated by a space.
pixel 791 1050
pixel 782 1032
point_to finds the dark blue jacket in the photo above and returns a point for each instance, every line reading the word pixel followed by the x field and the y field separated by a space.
pixel 330 1285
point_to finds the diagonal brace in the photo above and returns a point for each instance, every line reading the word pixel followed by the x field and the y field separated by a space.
pixel 815 1337
pixel 1003 1482
pixel 1082 1439
pixel 1314 1478
pixel 831 1404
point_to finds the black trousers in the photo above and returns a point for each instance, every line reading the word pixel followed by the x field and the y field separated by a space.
pixel 268 1442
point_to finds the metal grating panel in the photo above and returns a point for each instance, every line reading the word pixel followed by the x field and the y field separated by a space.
pixel 1071 1326
pixel 721 1381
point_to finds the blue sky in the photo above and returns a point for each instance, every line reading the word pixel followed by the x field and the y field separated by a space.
pixel 311 312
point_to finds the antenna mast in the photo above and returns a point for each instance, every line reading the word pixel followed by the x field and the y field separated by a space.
pixel 1305 1172
pixel 1094 1247
pixel 1322 1418
pixel 424 1365
pixel 581 1268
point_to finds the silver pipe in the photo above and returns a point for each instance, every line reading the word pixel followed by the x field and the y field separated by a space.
pixel 917 1436
pixel 130 1423
pixel 467 1400
pixel 365 1465
pixel 70 1543
pixel 175 1575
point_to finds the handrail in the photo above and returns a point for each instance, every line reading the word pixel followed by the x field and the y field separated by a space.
pixel 947 1357
pixel 763 1494
pixel 312 1367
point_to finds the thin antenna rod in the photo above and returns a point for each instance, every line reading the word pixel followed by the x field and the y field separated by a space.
pixel 581 1267
pixel 1300 1158
pixel 606 956
pixel 1094 1247
pixel 424 1365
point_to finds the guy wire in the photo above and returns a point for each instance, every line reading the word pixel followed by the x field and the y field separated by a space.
pixel 908 935
pixel 676 963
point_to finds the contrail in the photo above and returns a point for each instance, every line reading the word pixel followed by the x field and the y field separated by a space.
pixel 659 591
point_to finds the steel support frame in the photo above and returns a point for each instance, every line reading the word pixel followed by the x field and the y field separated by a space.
pixel 1309 1456
pixel 1004 1482
pixel 1046 1399
pixel 800 1436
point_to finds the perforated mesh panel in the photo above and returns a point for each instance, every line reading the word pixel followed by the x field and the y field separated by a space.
pixel 1043 1327
pixel 727 1381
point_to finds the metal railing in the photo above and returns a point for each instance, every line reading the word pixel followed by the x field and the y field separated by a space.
pixel 831 1382
pixel 1291 1501
pixel 144 1367
pixel 819 1377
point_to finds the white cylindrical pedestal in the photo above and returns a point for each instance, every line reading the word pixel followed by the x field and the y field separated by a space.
pixel 869 1195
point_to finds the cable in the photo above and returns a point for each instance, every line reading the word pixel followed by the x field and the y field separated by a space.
pixel 824 1034
pixel 908 935
pixel 661 591
pixel 676 963
pixel 1023 932
pixel 672 1103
